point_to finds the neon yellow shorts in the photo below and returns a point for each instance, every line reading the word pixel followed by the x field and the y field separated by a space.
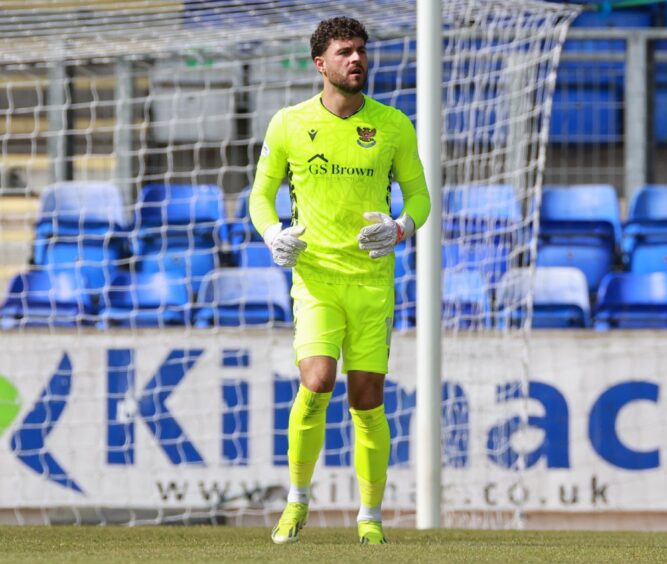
pixel 355 319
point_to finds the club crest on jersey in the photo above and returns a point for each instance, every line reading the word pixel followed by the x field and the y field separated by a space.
pixel 366 135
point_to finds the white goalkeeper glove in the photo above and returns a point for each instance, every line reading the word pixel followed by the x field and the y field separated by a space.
pixel 285 244
pixel 384 234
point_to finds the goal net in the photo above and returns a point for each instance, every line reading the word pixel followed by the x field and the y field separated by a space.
pixel 147 369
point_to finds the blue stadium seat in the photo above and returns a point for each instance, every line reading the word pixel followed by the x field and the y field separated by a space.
pixel 42 298
pixel 649 257
pixel 82 204
pixel 647 209
pixel 82 228
pixel 198 206
pixel 476 209
pixel 465 300
pixel 243 296
pixel 582 211
pixel 560 298
pixel 178 229
pixel 645 230
pixel 580 226
pixel 492 259
pixel 629 300
pixel 481 226
pixel 594 261
pixel 178 256
pixel 146 299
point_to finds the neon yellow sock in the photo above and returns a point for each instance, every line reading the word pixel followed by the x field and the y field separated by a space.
pixel 371 453
pixel 305 434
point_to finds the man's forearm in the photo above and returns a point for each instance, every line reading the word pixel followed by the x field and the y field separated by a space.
pixel 262 204
pixel 416 200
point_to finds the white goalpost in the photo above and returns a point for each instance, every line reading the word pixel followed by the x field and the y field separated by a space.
pixel 147 371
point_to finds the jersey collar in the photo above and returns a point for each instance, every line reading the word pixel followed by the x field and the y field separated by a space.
pixel 363 105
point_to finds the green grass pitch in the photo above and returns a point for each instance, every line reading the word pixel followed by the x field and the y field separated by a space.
pixel 225 544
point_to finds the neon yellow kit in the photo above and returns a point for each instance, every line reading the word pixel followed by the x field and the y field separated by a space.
pixel 337 169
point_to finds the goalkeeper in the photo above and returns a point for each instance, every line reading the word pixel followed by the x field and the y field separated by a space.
pixel 339 151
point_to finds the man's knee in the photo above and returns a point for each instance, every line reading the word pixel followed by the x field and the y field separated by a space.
pixel 318 373
pixel 365 390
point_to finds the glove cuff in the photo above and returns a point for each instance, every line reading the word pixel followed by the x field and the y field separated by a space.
pixel 271 232
pixel 405 228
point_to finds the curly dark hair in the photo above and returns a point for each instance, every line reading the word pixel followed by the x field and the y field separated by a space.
pixel 335 28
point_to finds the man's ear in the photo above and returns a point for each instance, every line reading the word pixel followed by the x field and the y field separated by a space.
pixel 320 65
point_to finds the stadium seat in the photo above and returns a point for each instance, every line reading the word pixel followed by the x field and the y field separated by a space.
pixel 178 229
pixel 43 298
pixel 645 231
pixel 481 227
pixel 560 298
pixel 649 257
pixel 581 211
pixel 197 206
pixel 178 256
pixel 629 300
pixel 580 226
pixel 465 300
pixel 490 259
pixel 475 209
pixel 145 299
pixel 82 228
pixel 594 261
pixel 243 296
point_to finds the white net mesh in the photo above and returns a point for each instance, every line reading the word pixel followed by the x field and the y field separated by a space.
pixel 149 370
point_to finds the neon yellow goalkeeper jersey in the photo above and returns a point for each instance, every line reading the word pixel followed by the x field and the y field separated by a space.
pixel 337 169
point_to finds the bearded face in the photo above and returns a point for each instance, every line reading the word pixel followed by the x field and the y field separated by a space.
pixel 345 65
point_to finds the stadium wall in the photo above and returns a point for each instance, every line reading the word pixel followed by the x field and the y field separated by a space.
pixel 195 424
